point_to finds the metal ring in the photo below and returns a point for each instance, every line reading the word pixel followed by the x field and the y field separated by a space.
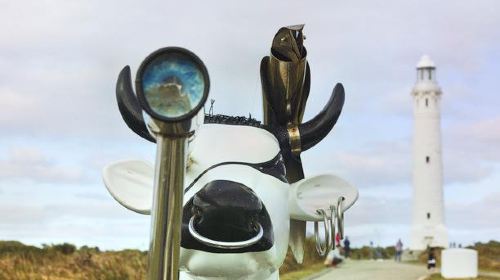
pixel 224 244
pixel 332 227
pixel 321 250
pixel 340 216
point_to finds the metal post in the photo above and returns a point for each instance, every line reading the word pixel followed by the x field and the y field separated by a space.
pixel 166 214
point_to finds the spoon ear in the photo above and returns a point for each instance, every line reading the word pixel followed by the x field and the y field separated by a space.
pixel 130 182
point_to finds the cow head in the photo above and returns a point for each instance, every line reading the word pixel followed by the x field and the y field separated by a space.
pixel 235 190
pixel 239 198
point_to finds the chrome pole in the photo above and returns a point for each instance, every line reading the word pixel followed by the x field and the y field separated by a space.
pixel 166 214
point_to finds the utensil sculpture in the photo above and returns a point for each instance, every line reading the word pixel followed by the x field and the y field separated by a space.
pixel 286 80
pixel 227 203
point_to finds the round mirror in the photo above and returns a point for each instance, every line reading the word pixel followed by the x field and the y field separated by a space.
pixel 172 84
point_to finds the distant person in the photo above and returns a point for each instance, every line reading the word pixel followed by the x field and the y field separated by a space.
pixel 337 239
pixel 347 247
pixel 399 250
pixel 334 257
pixel 431 260
pixel 372 252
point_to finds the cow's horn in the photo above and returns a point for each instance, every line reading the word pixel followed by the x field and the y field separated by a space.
pixel 129 106
pixel 313 131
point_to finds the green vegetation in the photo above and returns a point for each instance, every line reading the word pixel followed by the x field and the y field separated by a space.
pixel 302 273
pixel 367 253
pixel 64 262
pixel 489 255
pixel 312 261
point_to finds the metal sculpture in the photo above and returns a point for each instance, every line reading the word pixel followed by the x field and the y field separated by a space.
pixel 226 209
pixel 286 81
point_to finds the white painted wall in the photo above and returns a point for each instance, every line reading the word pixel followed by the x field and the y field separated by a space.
pixel 428 214
pixel 459 263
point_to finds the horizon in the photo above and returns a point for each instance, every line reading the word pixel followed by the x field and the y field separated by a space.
pixel 59 62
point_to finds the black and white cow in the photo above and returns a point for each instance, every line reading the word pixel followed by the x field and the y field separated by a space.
pixel 237 201
pixel 245 200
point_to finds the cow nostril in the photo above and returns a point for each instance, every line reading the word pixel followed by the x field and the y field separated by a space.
pixel 225 244
pixel 195 211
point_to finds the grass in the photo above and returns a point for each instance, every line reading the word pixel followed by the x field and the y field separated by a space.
pixel 311 258
pixel 489 255
pixel 300 274
pixel 65 261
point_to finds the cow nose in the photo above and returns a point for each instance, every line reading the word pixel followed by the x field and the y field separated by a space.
pixel 226 211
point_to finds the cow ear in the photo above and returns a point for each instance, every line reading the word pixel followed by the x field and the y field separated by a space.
pixel 319 192
pixel 130 183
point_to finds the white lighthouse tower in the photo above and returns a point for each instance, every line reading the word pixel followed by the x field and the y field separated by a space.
pixel 428 227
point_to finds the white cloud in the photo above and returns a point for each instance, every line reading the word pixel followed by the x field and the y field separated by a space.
pixel 59 61
pixel 383 219
pixel 471 150
pixel 31 164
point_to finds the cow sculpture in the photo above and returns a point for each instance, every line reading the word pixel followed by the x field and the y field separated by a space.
pixel 239 200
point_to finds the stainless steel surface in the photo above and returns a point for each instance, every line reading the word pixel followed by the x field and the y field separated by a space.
pixel 286 82
pixel 183 129
pixel 224 244
pixel 166 215
pixel 332 227
pixel 340 216
pixel 285 86
pixel 322 250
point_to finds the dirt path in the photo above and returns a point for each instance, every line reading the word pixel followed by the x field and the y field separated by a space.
pixel 372 270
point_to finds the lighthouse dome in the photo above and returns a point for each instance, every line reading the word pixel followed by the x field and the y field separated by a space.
pixel 426 62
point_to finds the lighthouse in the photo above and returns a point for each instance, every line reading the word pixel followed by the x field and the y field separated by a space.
pixel 428 229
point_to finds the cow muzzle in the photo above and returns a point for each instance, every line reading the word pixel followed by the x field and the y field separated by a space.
pixel 226 216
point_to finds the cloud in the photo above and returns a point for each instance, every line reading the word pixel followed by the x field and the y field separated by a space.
pixel 59 62
pixel 61 54
pixel 476 214
pixel 31 164
pixel 373 164
pixel 470 153
pixel 471 150
pixel 383 219
pixel 84 222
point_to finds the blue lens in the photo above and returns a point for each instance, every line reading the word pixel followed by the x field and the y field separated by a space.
pixel 173 85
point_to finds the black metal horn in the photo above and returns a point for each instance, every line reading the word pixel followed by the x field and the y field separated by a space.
pixel 313 131
pixel 129 106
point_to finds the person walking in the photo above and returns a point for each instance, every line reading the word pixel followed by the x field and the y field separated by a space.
pixel 399 250
pixel 347 247
pixel 431 260
pixel 372 251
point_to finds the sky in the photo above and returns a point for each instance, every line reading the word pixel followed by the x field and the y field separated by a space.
pixel 60 124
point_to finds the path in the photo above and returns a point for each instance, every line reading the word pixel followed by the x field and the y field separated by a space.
pixel 372 270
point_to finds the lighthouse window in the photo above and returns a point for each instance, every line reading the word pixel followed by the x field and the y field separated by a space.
pixel 428 216
pixel 427 159
pixel 426 102
pixel 430 74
